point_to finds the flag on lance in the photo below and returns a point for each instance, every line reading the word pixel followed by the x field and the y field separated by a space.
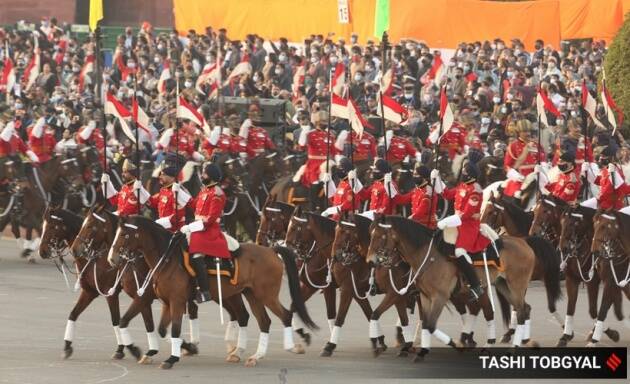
pixel 357 122
pixel 590 105
pixel 610 107
pixel 544 105
pixel 88 67
pixel 447 118
pixel 338 80
pixel 187 111
pixel 164 76
pixel 391 109
pixel 338 106
pixel 114 107
pixel 140 117
pixel 7 80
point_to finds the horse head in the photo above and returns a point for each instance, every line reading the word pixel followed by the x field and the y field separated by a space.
pixel 300 234
pixel 346 247
pixel 492 212
pixel 127 242
pixel 96 231
pixel 71 175
pixel 273 222
pixel 53 235
pixel 383 241
pixel 607 230
pixel 547 216
pixel 574 228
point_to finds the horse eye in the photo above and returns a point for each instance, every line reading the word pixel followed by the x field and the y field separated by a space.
pixel 126 236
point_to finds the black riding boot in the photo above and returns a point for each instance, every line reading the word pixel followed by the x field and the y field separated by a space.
pixel 199 265
pixel 313 196
pixel 469 273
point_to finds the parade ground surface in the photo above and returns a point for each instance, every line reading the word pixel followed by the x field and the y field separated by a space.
pixel 35 303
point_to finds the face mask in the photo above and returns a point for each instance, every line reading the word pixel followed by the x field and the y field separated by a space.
pixel 358 77
pixel 408 95
pixel 160 47
pixel 603 162
pixel 466 68
pixel 496 99
pixel 282 58
pixel 334 59
pixel 552 65
pixel 574 114
pixel 314 60
pixel 369 69
pixel 308 82
pixel 504 109
pixel 451 64
pixel 76 69
pixel 120 94
pixel 485 120
pixel 66 59
pixel 278 72
pixel 427 99
pixel 563 167
pixel 156 60
pixel 559 122
pixel 510 74
pixel 460 54
pixel 319 86
pixel 305 127
pixel 131 65
pixel 19 106
pixel 326 49
pixel 419 181
pixel 256 78
pixel 188 84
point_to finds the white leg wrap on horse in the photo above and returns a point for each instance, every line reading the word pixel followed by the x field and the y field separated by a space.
pixel 598 331
pixel 231 331
pixel 176 346
pixel 443 337
pixel 425 339
pixel 194 330
pixel 568 325
pixel 263 342
pixel 527 329
pixel 288 338
pixel 518 335
pixel 407 333
pixel 469 326
pixel 117 333
pixel 513 320
pixel 242 338
pixel 492 329
pixel 626 322
pixel 297 323
pixel 374 329
pixel 69 335
pixel 334 336
pixel 398 322
pixel 154 342
pixel 417 335
pixel 125 336
pixel 331 324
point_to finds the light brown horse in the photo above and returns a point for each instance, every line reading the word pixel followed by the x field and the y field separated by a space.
pixel 427 254
pixel 611 248
pixel 259 278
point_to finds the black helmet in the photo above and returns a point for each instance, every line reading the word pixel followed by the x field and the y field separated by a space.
pixel 422 171
pixel 344 166
pixel 382 166
pixel 470 173
pixel 610 151
pixel 568 157
pixel 213 172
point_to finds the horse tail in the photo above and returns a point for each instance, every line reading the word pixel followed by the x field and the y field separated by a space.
pixel 550 262
pixel 502 289
pixel 298 304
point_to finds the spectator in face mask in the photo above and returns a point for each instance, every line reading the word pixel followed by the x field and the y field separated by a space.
pixel 459 83
pixel 283 77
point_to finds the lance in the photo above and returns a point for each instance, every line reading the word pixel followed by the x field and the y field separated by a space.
pixel 436 154
pixel 332 73
pixel 137 127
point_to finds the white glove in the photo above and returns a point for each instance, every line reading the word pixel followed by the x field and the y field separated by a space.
pixel 515 175
pixel 357 186
pixel 584 168
pixel 352 175
pixel 387 179
pixel 137 185
pixel 450 221
pixel 326 177
pixel 31 155
pixel 164 222
pixel 185 229
pixel 196 226
pixel 611 168
pixel 330 211
pixel 175 187
pixel 104 178
pixel 538 168
pixel 435 174
pixel 418 157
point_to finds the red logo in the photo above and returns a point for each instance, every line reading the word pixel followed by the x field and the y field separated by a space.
pixel 613 362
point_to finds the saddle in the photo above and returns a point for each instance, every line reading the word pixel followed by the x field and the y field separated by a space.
pixel 228 268
pixel 491 256
pixel 298 194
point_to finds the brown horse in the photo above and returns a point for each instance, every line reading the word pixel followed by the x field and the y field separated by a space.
pixel 352 239
pixel 311 236
pixel 574 242
pixel 259 278
pixel 437 276
pixel 611 248
pixel 274 220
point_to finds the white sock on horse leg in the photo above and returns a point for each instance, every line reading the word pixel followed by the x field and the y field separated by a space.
pixel 231 331
pixel 491 329
pixel 194 330
pixel 263 342
pixel 469 325
pixel 443 337
pixel 425 339
pixel 35 243
pixel 598 331
pixel 297 323
pixel 518 335
pixel 568 325
pixel 242 338
pixel 513 321
pixel 69 334
pixel 374 329
pixel 176 346
pixel 407 333
pixel 125 336
pixel 288 338
pixel 398 323
pixel 417 334
pixel 154 343
pixel 117 333
pixel 331 324
pixel 527 329
pixel 334 335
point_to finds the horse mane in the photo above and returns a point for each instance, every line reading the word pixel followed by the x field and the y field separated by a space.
pixel 587 212
pixel 323 224
pixel 72 220
pixel 557 201
pixel 624 222
pixel 159 235
pixel 410 231
pixel 363 230
pixel 522 220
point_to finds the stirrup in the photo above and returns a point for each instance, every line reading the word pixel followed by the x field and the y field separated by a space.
pixel 475 293
pixel 202 297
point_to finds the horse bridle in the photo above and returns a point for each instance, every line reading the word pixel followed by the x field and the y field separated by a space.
pixel 349 253
pixel 300 247
pixel 271 235
pixel 385 258
pixel 89 253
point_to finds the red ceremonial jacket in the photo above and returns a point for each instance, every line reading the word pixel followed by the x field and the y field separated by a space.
pixel 364 148
pixel 126 200
pixel 164 203
pixel 316 148
pixel 452 141
pixel 12 147
pixel 398 148
pixel 420 199
pixel 208 206
pixel 226 144
pixel 468 198
pixel 257 141
pixel 525 166
pixel 566 188
pixel 343 197
pixel 95 139
pixel 43 146
pixel 186 145
pixel 609 197
pixel 380 202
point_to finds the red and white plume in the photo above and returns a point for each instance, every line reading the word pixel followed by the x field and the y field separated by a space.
pixel 140 117
pixel 7 80
pixel 357 122
pixel 590 105
pixel 88 67
pixel 164 75
pixel 114 107
pixel 338 106
pixel 391 110
pixel 338 80
pixel 187 111
pixel 544 105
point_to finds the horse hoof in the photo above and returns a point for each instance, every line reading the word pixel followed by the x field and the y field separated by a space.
pixel 118 355
pixel 25 253
pixel 251 362
pixel 166 365
pixel 190 349
pixel 67 352
pixel 376 352
pixel 169 363
pixel 298 349
pixel 612 334
pixel 400 340
pixel 507 337
pixel 589 337
pixel 146 360
pixel 31 260
pixel 307 339
pixel 532 344
pixel 229 348
pixel 135 351
pixel 562 342
pixel 421 355
pixel 328 350
pixel 592 344
pixel 233 358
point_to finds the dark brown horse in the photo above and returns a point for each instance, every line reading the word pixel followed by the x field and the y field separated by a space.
pixel 427 254
pixel 611 247
pixel 574 242
pixel 274 220
pixel 259 278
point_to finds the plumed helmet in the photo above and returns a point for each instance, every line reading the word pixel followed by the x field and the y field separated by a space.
pixel 568 157
pixel 609 151
pixel 129 166
pixel 381 166
pixel 344 165
pixel 471 171
pixel 422 170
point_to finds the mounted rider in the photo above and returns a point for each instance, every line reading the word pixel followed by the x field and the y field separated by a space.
pixel 11 147
pixel 41 140
pixel 423 210
pixel 345 199
pixel 384 196
pixel 398 147
pixel 89 136
pixel 170 216
pixel 521 157
pixel 468 197
pixel 254 139
pixel 206 237
pixel 613 187
pixel 126 200
pixel 566 187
